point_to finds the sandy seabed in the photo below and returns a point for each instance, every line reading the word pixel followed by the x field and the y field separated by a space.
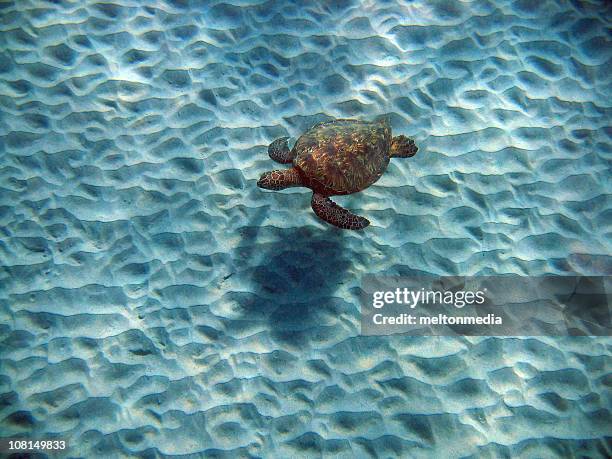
pixel 155 302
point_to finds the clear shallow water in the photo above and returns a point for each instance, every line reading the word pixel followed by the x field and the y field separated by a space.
pixel 155 302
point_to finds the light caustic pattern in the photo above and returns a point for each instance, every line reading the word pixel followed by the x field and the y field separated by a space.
pixel 155 301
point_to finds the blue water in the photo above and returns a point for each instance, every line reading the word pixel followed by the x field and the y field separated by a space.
pixel 155 302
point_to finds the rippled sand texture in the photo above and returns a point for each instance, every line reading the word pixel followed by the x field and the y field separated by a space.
pixel 155 302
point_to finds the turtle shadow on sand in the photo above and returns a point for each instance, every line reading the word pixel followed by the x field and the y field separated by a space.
pixel 293 279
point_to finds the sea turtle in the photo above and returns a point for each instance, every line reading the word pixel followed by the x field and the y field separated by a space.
pixel 336 158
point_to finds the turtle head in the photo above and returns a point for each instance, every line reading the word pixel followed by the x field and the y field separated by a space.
pixel 270 181
pixel 402 147
pixel 278 180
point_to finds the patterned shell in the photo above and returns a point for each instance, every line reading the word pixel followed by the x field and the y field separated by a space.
pixel 343 156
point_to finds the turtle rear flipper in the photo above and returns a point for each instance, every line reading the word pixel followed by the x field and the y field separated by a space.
pixel 279 151
pixel 402 147
pixel 332 213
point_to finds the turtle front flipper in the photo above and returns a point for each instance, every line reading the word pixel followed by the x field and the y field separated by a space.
pixel 338 216
pixel 279 151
